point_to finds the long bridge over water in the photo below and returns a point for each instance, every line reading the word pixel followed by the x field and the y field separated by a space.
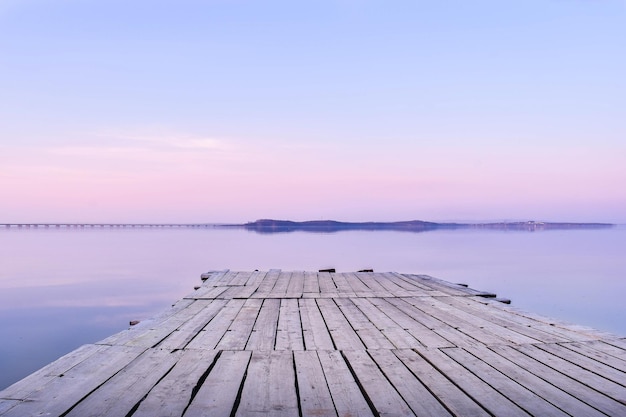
pixel 104 225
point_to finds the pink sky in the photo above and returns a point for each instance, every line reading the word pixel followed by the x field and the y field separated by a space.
pixel 182 178
pixel 226 111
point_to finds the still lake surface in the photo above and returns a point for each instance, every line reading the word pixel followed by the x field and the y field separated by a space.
pixel 60 288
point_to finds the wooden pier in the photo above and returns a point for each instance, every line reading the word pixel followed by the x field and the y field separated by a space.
pixel 279 343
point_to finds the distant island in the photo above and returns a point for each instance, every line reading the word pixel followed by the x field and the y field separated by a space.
pixel 332 226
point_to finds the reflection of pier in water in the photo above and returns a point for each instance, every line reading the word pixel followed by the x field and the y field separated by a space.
pixel 104 225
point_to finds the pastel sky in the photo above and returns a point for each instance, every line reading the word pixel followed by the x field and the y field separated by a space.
pixel 220 111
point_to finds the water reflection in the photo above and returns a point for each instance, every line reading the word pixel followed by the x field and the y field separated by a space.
pixel 269 226
pixel 63 288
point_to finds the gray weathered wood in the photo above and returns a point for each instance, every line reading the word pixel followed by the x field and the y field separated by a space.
pixel 571 384
pixel 526 378
pixel 119 395
pixel 416 395
pixel 311 283
pixel 263 336
pixel 313 392
pixel 289 330
pixel 296 285
pixel 314 330
pixel 589 360
pixel 217 394
pixel 238 333
pixel 276 394
pixel 577 370
pixel 488 397
pixel 213 332
pixel 171 396
pixel 58 395
pixel 38 380
pixel 455 400
pixel 187 331
pixel 381 393
pixel 343 335
pixel 532 403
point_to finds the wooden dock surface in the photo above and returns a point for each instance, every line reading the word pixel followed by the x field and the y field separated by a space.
pixel 276 343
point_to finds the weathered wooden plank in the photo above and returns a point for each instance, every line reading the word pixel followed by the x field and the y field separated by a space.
pixel 156 333
pixel 571 332
pixel 414 284
pixel 313 392
pixel 486 395
pixel 455 400
pixel 213 332
pixel 311 284
pixel 7 404
pixel 296 285
pixel 38 379
pixel 212 277
pixel 237 291
pixel 530 381
pixel 450 333
pixel 417 330
pixel 550 327
pixel 414 393
pixel 256 278
pixel 369 279
pixel 399 337
pixel 371 336
pixel 476 321
pixel 120 394
pixel 343 335
pixel 356 284
pixel 289 331
pixel 503 319
pixel 341 282
pixel 268 282
pixel 58 395
pixel 263 336
pixel 314 330
pixel 179 338
pixel 430 306
pixel 218 392
pixel 241 278
pixel 586 349
pixel 276 396
pixel 224 279
pixel 207 293
pixel 326 283
pixel 391 286
pixel 379 390
pixel 171 396
pixel 443 286
pixel 144 325
pixel 282 282
pixel 532 403
pixel 617 342
pixel 589 364
pixel 236 337
pixel 606 347
pixel 347 396
pixel 572 384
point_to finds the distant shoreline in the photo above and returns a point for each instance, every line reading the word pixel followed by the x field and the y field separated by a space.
pixel 331 226
pixel 265 226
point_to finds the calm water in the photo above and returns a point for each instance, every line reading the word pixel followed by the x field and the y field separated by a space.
pixel 60 289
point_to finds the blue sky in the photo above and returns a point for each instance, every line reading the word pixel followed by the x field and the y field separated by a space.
pixel 356 110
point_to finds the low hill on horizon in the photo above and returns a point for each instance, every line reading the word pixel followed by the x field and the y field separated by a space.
pixel 331 226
